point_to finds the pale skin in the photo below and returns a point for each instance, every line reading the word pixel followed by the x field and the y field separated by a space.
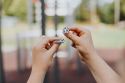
pixel 82 41
pixel 42 58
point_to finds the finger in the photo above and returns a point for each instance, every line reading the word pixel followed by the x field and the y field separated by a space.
pixel 75 29
pixel 47 41
pixel 79 31
pixel 48 46
pixel 51 39
pixel 54 48
pixel 74 38
pixel 73 45
pixel 40 42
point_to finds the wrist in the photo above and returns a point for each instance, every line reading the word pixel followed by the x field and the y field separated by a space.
pixel 93 58
pixel 42 67
pixel 89 57
pixel 37 76
pixel 40 71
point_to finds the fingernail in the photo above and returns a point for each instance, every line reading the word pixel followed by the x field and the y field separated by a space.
pixel 65 30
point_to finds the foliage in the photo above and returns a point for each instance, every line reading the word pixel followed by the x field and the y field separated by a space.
pixel 82 11
pixel 122 11
pixel 106 13
pixel 15 8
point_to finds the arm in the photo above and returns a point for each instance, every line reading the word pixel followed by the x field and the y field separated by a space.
pixel 42 56
pixel 101 71
pixel 82 41
pixel 37 76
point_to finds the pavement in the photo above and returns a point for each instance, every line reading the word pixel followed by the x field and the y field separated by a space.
pixel 69 70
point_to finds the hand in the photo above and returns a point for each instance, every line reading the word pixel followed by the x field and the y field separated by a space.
pixel 82 41
pixel 43 52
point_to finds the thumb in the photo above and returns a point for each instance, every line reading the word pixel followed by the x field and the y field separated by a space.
pixel 54 48
pixel 72 37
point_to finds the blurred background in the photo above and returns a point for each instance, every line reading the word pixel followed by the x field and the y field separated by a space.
pixel 22 22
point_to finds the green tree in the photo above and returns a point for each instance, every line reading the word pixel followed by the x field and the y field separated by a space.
pixel 16 8
pixel 82 11
pixel 122 11
pixel 106 13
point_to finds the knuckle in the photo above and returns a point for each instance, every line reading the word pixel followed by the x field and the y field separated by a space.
pixel 43 36
pixel 35 47
pixel 45 39
pixel 87 30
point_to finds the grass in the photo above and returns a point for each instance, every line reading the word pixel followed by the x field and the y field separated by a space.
pixel 109 38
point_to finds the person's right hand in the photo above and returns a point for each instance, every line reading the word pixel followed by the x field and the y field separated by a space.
pixel 82 41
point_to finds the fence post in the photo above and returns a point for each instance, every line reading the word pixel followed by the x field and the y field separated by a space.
pixel 2 78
